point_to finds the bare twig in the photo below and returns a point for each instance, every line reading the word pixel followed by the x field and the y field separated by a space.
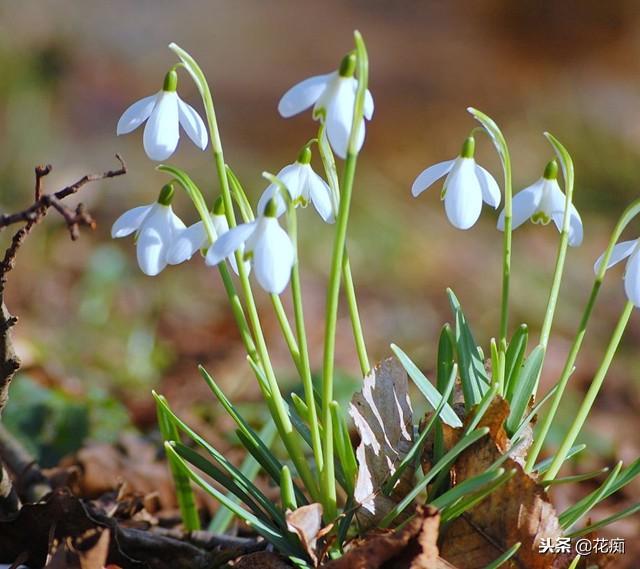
pixel 9 361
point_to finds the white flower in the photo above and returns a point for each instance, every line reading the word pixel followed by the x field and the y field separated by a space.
pixel 155 226
pixel 333 97
pixel 165 111
pixel 632 273
pixel 542 202
pixel 266 244
pixel 195 238
pixel 466 186
pixel 304 186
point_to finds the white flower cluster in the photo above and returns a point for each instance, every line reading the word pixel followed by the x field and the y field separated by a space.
pixel 163 239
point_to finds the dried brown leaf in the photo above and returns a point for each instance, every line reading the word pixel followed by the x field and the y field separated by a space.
pixel 383 417
pixel 412 547
pixel 306 522
pixel 518 511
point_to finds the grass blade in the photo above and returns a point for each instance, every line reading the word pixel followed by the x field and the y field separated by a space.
pixel 524 388
pixel 514 358
pixel 448 415
pixel 544 465
pixel 606 521
pixel 508 554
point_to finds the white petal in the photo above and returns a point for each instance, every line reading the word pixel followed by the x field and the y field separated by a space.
pixel 368 105
pixel 463 197
pixel 490 188
pixel 273 257
pixel 136 114
pixel 632 279
pixel 427 177
pixel 340 117
pixel 161 132
pixel 524 205
pixel 129 221
pixel 229 242
pixel 575 225
pixel 321 197
pixel 620 251
pixel 154 239
pixel 186 243
pixel 192 124
pixel 302 95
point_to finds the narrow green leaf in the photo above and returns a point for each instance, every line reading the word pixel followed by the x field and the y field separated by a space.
pixel 470 361
pixel 534 411
pixel 344 448
pixel 446 359
pixel 287 493
pixel 631 510
pixel 514 358
pixel 626 476
pixel 544 465
pixel 575 562
pixel 448 415
pixel 578 477
pixel 508 554
pixel 573 514
pixel 464 488
pixel 444 463
pixel 182 483
pixel 239 480
pixel 523 390
pixel 250 468
pixel 474 499
pixel 266 530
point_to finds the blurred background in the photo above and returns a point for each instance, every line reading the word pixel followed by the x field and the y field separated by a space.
pixel 96 335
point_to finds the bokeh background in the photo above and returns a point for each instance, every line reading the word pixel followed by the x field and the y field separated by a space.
pixel 96 335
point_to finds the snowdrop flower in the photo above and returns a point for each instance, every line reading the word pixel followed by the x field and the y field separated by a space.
pixel 303 186
pixel 195 238
pixel 466 186
pixel 543 201
pixel 333 97
pixel 164 112
pixel 621 251
pixel 265 243
pixel 155 226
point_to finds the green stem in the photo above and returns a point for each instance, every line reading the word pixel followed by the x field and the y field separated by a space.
pixel 329 163
pixel 538 443
pixel 305 367
pixel 356 324
pixel 592 393
pixel 506 251
pixel 328 482
pixel 281 416
pixel 287 332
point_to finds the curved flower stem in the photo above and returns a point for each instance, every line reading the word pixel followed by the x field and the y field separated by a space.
pixel 287 333
pixel 536 447
pixel 305 367
pixel 591 395
pixel 281 416
pixel 328 482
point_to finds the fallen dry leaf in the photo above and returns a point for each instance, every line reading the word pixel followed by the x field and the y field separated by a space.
pixel 517 511
pixel 306 522
pixel 383 417
pixel 412 547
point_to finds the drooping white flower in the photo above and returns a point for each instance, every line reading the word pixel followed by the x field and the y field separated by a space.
pixel 333 97
pixel 621 251
pixel 164 112
pixel 304 186
pixel 267 245
pixel 155 226
pixel 195 238
pixel 466 186
pixel 542 202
